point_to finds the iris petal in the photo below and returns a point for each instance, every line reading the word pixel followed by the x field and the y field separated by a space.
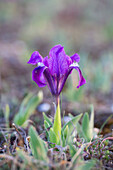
pixel 82 80
pixel 35 58
pixel 38 77
pixel 75 58
pixel 45 61
pixel 50 81
pixel 58 61
pixel 63 80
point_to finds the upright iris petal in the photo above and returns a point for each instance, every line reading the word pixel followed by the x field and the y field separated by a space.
pixel 35 58
pixel 58 63
pixel 75 58
pixel 54 70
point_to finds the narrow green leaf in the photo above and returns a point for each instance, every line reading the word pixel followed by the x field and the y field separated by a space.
pixel 91 122
pixel 72 123
pixel 46 124
pixel 52 136
pixel 48 120
pixel 66 132
pixel 7 112
pixel 85 127
pixel 105 123
pixel 25 101
pixel 79 130
pixel 57 124
pixel 72 150
pixel 27 108
pixel 76 155
pixel 37 145
pixel 70 115
pixel 63 140
pixel 65 136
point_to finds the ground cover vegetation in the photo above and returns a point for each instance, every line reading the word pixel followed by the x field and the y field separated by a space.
pixel 45 121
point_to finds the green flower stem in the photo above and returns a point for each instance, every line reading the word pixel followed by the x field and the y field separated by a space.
pixel 57 121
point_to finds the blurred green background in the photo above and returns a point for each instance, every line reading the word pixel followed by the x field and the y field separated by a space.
pixel 81 26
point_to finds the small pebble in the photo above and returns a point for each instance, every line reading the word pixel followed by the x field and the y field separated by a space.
pixel 66 119
pixel 44 107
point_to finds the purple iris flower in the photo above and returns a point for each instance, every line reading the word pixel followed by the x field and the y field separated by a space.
pixel 54 71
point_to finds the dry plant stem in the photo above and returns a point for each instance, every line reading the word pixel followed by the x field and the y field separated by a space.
pixel 8 151
pixel 77 154
pixel 91 143
pixel 15 144
pixel 109 138
pixel 10 158
pixel 27 144
pixel 3 135
pixel 13 125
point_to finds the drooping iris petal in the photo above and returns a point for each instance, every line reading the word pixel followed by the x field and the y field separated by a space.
pixel 82 80
pixel 62 81
pixel 75 58
pixel 58 61
pixel 38 77
pixel 35 58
